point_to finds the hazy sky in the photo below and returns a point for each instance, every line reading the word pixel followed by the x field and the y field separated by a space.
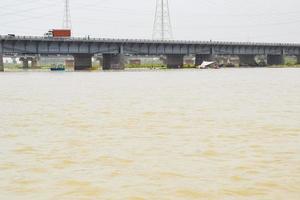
pixel 229 20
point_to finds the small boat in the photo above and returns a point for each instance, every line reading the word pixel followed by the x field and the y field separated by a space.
pixel 57 69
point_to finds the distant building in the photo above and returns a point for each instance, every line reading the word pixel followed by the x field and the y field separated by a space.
pixel 135 61
pixel 69 63
pixel 189 60
pixel 54 60
pixel 144 60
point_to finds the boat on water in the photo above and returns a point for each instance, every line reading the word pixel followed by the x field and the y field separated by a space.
pixel 57 69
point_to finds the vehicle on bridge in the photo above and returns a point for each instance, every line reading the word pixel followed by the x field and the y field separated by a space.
pixel 11 35
pixel 58 33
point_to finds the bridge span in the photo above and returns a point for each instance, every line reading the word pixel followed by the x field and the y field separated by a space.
pixel 114 50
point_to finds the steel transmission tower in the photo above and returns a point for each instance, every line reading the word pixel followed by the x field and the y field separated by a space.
pixel 162 28
pixel 67 16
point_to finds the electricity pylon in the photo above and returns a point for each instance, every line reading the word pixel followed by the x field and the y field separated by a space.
pixel 67 16
pixel 162 28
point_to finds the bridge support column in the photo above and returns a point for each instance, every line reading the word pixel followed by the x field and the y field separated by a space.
pixel 275 59
pixel 82 61
pixel 202 57
pixel 298 60
pixel 175 61
pixel 1 63
pixel 113 62
pixel 25 62
pixel 34 62
pixel 247 60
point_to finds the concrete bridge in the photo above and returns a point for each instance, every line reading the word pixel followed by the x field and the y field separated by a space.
pixel 114 50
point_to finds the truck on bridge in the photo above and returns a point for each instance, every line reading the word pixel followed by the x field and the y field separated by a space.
pixel 58 33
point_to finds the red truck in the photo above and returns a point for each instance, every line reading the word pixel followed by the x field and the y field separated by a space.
pixel 58 33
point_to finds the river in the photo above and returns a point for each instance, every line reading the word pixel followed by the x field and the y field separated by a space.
pixel 175 134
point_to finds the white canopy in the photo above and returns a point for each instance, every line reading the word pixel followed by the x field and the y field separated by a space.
pixel 205 64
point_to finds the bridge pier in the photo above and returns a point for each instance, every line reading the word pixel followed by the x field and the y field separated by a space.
pixel 34 62
pixel 113 62
pixel 1 63
pixel 199 58
pixel 25 62
pixel 275 59
pixel 175 61
pixel 82 62
pixel 247 60
pixel 298 59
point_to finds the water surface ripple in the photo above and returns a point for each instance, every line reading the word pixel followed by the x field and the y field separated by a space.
pixel 183 134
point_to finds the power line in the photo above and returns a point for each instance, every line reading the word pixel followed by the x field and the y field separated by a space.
pixel 5 6
pixel 15 13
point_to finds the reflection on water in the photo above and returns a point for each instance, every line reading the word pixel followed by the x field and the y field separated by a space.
pixel 182 134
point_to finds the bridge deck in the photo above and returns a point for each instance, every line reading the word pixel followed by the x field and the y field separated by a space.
pixel 145 41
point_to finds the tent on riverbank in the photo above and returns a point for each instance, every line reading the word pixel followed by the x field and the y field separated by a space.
pixel 206 64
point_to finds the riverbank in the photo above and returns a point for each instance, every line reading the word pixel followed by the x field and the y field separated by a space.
pixel 18 68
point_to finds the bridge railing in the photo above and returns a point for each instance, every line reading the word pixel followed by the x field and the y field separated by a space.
pixel 93 39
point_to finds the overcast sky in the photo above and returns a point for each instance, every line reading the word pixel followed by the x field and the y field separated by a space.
pixel 226 20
